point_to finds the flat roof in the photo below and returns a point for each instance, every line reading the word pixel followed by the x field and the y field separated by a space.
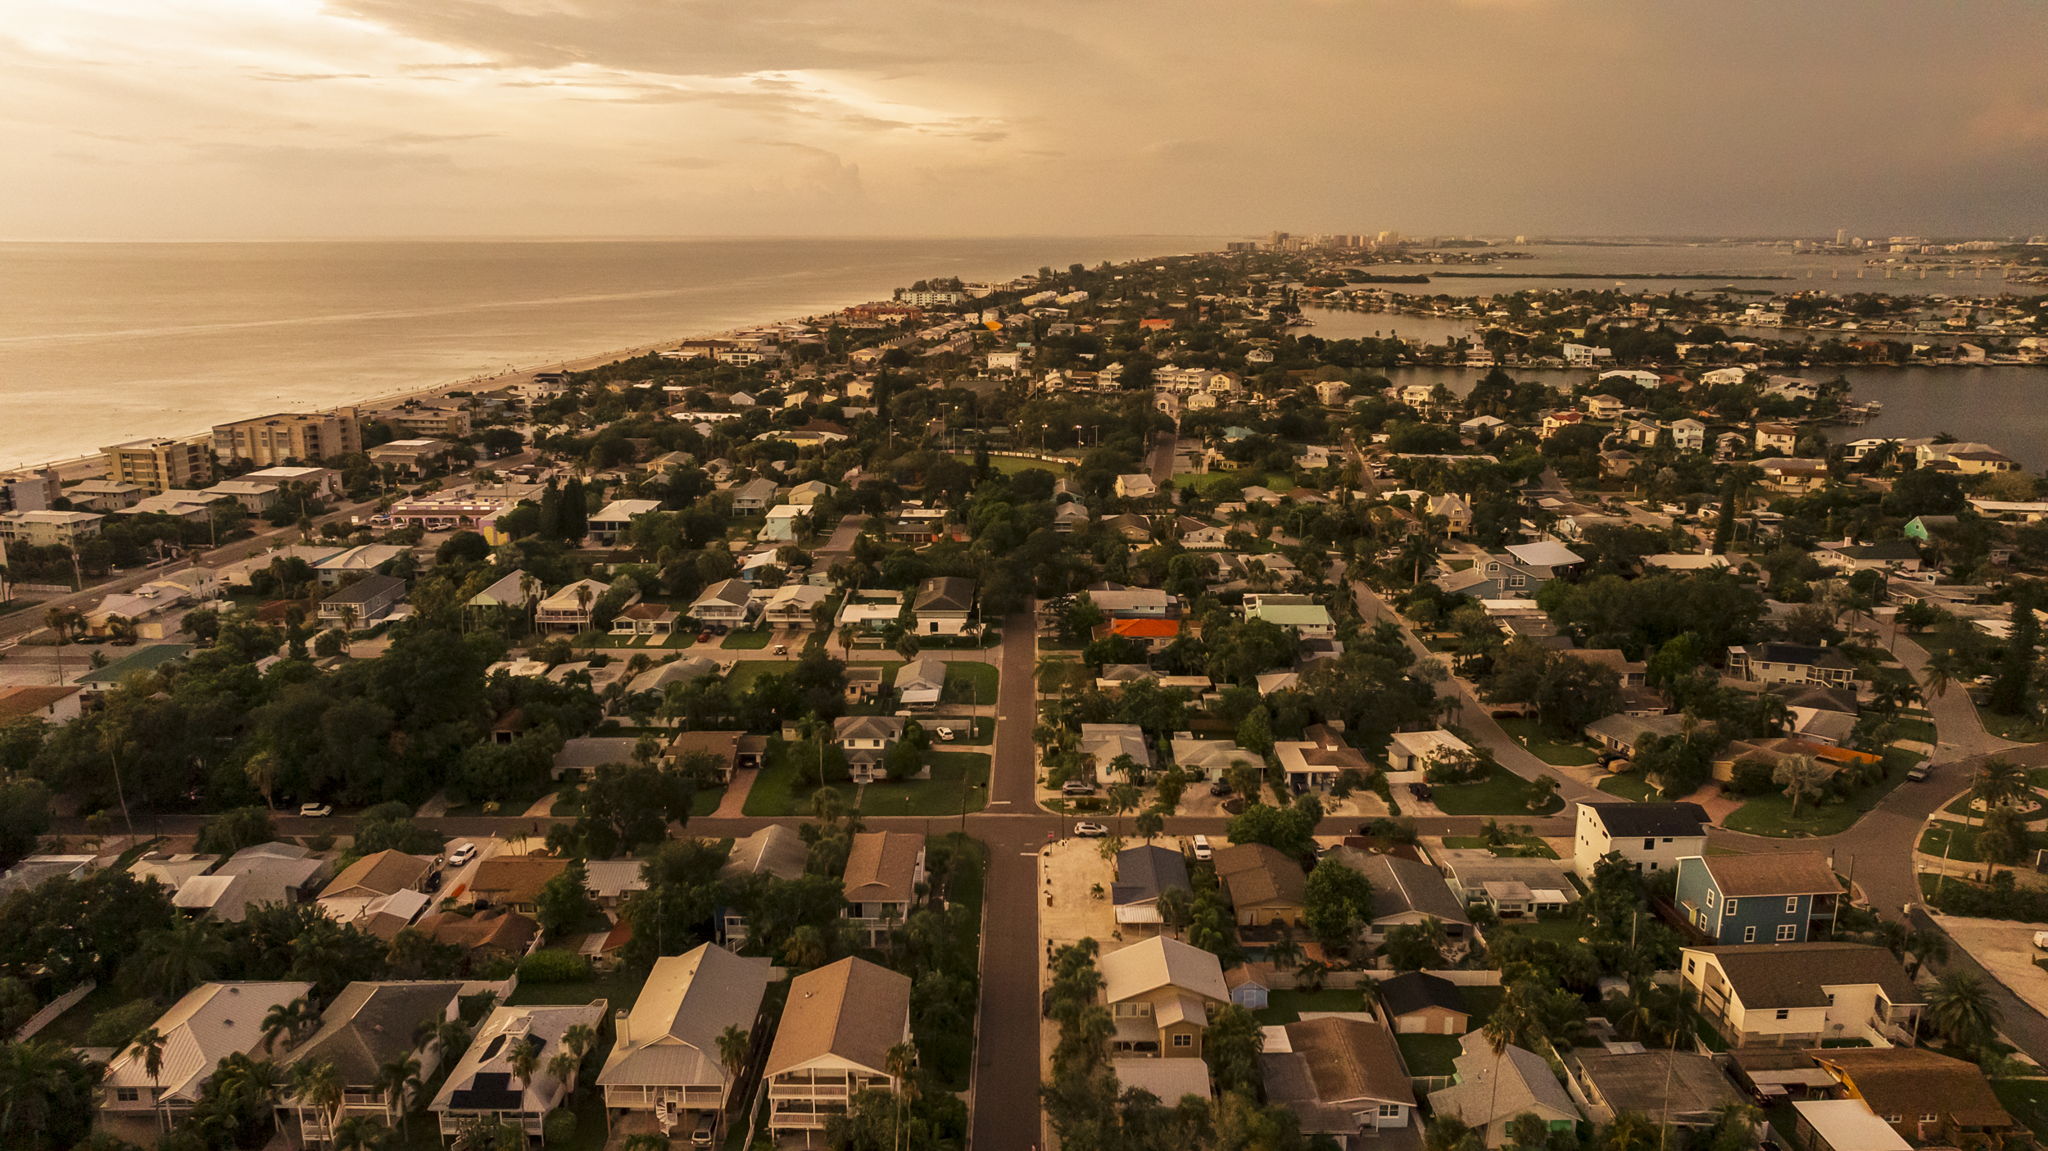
pixel 1849 1125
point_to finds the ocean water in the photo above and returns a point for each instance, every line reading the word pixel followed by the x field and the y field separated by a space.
pixel 101 343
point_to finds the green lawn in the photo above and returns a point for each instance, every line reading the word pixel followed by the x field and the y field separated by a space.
pixel 1546 747
pixel 1501 792
pixel 1011 465
pixel 706 801
pixel 785 787
pixel 1480 1002
pixel 1516 847
pixel 1910 728
pixel 1564 930
pixel 619 988
pixel 1287 1006
pixel 1429 1054
pixel 1209 483
pixel 1958 841
pixel 2026 1100
pixel 1772 814
pixel 971 682
pixel 1631 786
pixel 1059 673
pixel 746 640
pixel 2018 728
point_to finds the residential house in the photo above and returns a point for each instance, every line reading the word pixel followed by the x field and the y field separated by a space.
pixel 1649 836
pixel 1792 663
pixel 646 621
pixel 1136 486
pixel 667 1061
pixel 943 605
pixel 1160 992
pixel 1422 750
pixel 1492 1089
pixel 368 1027
pixel 1143 874
pixel 1516 574
pixel 614 521
pixel 1902 555
pixel 1316 763
pixel 1927 1098
pixel 251 877
pixel 723 606
pixel 921 682
pixel 794 605
pixel 485 936
pixel 1267 888
pixel 1785 897
pixel 1454 510
pixel 1405 892
pixel 362 603
pixel 512 882
pixel 1603 407
pixel 838 1037
pixel 865 741
pixel 206 1025
pixel 781 523
pixel 582 756
pixel 1300 614
pixel 1677 1088
pixel 884 869
pixel 1688 435
pixel 1842 1125
pixel 870 609
pixel 569 609
pixel 754 497
pixel 1102 744
pixel 776 852
pixel 483 1088
pixel 1211 759
pixel 381 892
pixel 1793 476
pixel 1800 994
pixel 1513 886
pixel 720 752
pixel 1418 1003
pixel 1342 1078
pixel 1776 438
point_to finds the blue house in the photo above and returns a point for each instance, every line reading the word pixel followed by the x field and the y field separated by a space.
pixel 1778 898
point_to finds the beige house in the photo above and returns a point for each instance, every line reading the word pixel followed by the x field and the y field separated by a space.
pixel 883 872
pixel 211 1022
pixel 1160 993
pixel 1799 994
pixel 368 1027
pixel 668 1061
pixel 1265 886
pixel 834 1041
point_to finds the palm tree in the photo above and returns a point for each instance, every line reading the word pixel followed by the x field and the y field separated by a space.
pixel 563 1067
pixel 1939 673
pixel 317 1086
pixel 451 1037
pixel 1510 1025
pixel 733 1043
pixel 288 1021
pixel 524 1058
pixel 150 1045
pixel 1999 783
pixel 901 1060
pixel 182 956
pixel 361 1133
pixel 580 1039
pixel 397 1078
pixel 1962 1009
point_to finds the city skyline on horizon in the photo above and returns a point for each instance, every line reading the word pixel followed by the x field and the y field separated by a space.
pixel 342 119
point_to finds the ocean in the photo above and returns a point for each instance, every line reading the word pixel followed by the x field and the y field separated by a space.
pixel 103 343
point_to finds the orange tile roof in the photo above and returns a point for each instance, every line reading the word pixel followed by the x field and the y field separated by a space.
pixel 1145 628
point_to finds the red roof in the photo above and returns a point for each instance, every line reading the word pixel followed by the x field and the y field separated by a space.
pixel 1145 628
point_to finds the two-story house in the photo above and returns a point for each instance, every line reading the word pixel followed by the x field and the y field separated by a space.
pixel 1518 573
pixel 484 1086
pixel 884 869
pixel 943 605
pixel 1776 438
pixel 1688 435
pixel 865 741
pixel 368 1027
pixel 837 1038
pixel 209 1023
pixel 667 1061
pixel 1792 663
pixel 754 497
pixel 1788 897
pixel 1650 836
pixel 1926 1097
pixel 776 852
pixel 1160 993
pixel 1800 994
pixel 723 606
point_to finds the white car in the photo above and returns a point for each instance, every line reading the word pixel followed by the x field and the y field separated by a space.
pixel 463 853
pixel 315 811
pixel 1087 830
pixel 944 733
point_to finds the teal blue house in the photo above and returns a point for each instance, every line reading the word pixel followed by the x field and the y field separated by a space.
pixel 1775 898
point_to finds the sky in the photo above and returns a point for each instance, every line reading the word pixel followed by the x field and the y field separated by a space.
pixel 261 119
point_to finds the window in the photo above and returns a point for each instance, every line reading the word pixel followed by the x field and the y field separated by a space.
pixel 1691 965
pixel 1183 1040
pixel 1929 1117
pixel 127 1094
pixel 1784 1013
pixel 1390 1110
pixel 1710 897
pixel 1649 844
pixel 1787 932
pixel 1749 935
pixel 1791 905
pixel 1730 909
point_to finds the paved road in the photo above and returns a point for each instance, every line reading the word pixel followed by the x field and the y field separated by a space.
pixel 1161 456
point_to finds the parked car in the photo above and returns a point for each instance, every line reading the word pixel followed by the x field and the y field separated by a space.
pixel 1202 849
pixel 1077 787
pixel 1087 830
pixel 781 649
pixel 704 636
pixel 705 1131
pixel 944 733
pixel 463 853
pixel 315 810
pixel 1219 789
pixel 1421 790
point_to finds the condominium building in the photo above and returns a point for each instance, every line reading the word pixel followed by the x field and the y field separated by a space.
pixel 162 464
pixel 289 437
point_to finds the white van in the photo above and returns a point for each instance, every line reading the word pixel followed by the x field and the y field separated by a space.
pixel 1202 849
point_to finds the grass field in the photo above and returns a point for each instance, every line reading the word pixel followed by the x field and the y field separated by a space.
pixel 973 681
pixel 1516 847
pixel 1209 483
pixel 1549 749
pixel 1630 786
pixel 1429 1054
pixel 1287 1006
pixel 1012 465
pixel 1772 814
pixel 746 640
pixel 1502 792
pixel 785 787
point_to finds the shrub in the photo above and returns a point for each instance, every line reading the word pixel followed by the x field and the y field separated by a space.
pixel 549 965
pixel 1752 777
pixel 115 1026
pixel 559 1128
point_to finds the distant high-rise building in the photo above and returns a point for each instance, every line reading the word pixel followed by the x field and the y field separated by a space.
pixel 160 465
pixel 298 437
pixel 1841 237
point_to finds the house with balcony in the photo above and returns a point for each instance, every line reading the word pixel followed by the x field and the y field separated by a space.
pixel 1160 993
pixel 835 1040
pixel 1792 663
pixel 774 852
pixel 725 605
pixel 206 1025
pixel 1649 836
pixel 569 609
pixel 1802 994
pixel 666 1065
pixel 1787 897
pixel 483 1088
pixel 865 741
pixel 368 1027
pixel 884 870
